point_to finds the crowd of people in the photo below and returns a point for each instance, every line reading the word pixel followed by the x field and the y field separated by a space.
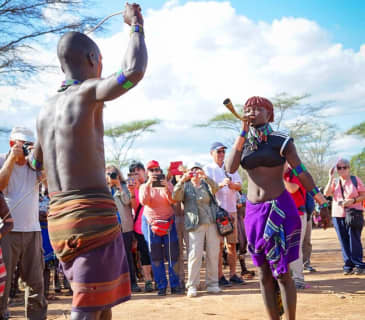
pixel 169 218
pixel 63 210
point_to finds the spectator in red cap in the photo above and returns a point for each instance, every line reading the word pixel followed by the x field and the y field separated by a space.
pixel 158 227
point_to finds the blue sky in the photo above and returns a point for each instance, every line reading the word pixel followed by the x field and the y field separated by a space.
pixel 201 52
pixel 344 20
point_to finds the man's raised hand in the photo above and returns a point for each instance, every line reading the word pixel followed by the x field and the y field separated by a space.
pixel 132 14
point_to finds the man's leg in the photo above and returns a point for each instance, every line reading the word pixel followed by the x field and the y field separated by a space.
pixel 32 265
pixel 231 241
pixel 11 246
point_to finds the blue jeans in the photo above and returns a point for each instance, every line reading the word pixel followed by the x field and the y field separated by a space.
pixel 351 247
pixel 160 248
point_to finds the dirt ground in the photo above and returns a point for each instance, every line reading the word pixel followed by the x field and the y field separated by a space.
pixel 331 295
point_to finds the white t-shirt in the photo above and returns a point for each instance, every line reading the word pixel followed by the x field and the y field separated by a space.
pixel 24 212
pixel 226 197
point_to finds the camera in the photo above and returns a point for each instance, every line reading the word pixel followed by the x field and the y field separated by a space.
pixel 157 183
pixel 112 175
pixel 131 181
pixel 25 147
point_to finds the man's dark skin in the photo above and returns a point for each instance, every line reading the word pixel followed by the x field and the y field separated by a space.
pixel 265 184
pixel 70 127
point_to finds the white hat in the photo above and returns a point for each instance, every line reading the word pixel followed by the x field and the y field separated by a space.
pixel 22 133
pixel 194 164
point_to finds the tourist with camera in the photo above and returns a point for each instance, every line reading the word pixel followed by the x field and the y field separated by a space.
pixel 196 190
pixel 23 244
pixel 122 198
pixel 348 192
pixel 158 227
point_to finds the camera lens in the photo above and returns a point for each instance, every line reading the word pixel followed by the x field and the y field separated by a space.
pixel 25 150
pixel 113 175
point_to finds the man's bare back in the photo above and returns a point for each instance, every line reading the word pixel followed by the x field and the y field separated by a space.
pixel 71 135
pixel 70 128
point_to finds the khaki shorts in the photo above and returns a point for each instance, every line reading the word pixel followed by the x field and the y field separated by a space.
pixel 233 237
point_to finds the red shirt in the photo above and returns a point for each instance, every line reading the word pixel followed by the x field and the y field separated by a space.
pixel 299 195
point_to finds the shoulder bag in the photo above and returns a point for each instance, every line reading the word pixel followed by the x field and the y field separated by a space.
pixel 354 218
pixel 223 220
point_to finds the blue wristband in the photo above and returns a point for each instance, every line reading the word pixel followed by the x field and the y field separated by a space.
pixel 243 134
pixel 323 205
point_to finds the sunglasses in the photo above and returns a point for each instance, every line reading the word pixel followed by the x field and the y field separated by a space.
pixel 341 168
pixel 221 151
pixel 154 169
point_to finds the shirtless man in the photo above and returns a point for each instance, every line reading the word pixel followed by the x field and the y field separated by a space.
pixel 82 220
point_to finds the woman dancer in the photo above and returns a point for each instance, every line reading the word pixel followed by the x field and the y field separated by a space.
pixel 272 222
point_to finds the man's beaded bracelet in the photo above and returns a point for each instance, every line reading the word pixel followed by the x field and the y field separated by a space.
pixel 137 28
pixel 314 191
pixel 323 205
pixel 299 169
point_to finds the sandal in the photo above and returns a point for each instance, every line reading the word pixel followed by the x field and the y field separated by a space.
pixel 248 275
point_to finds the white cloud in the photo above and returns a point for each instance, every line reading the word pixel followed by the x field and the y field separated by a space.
pixel 203 52
pixel 55 14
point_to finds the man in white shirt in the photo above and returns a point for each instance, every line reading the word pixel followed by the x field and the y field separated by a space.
pixel 23 244
pixel 229 184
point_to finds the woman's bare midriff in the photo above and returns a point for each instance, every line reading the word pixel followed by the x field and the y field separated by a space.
pixel 265 183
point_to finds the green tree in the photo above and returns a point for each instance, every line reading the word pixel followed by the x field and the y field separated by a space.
pixel 27 23
pixel 358 160
pixel 358 130
pixel 124 136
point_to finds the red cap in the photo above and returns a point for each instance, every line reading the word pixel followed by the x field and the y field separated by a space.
pixel 152 164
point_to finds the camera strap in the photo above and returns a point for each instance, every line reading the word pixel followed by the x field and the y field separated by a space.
pixel 137 213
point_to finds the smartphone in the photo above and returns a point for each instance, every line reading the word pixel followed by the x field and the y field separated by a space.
pixel 157 183
pixel 131 181
pixel 175 168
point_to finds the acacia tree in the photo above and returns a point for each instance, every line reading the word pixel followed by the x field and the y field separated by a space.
pixel 358 160
pixel 123 137
pixel 27 23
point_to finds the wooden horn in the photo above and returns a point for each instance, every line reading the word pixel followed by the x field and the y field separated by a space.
pixel 228 103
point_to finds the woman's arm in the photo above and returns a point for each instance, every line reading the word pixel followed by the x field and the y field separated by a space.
pixel 178 192
pixel 213 185
pixel 328 191
pixel 307 181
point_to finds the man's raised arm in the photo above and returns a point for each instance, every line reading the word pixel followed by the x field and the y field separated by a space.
pixel 134 63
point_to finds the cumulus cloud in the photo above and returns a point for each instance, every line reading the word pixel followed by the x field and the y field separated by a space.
pixel 203 52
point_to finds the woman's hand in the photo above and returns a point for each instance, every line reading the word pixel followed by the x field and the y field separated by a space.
pixel 186 176
pixel 331 173
pixel 347 203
